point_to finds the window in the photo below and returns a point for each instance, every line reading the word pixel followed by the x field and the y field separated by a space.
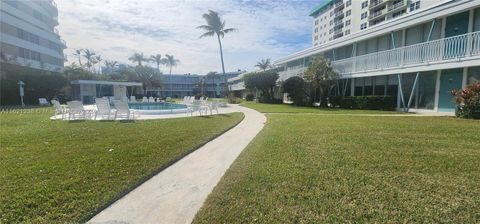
pixel 331 14
pixel 349 12
pixel 364 15
pixel 349 2
pixel 363 26
pixel 347 22
pixel 316 30
pixel 331 31
pixel 325 26
pixel 316 22
pixel 347 32
pixel 397 14
pixel 28 54
pixel 316 37
pixel 321 19
pixel 414 6
pixel 364 4
pixel 331 22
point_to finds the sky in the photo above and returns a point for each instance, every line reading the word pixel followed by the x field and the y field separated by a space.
pixel 116 29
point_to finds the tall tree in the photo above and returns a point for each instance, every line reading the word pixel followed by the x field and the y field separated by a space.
pixel 321 76
pixel 216 27
pixel 263 81
pixel 90 56
pixel 170 61
pixel 78 53
pixel 158 60
pixel 137 58
pixel 264 64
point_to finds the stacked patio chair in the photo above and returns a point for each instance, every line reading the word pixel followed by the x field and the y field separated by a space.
pixel 151 99
pixel 123 111
pixel 43 102
pixel 144 99
pixel 133 99
pixel 196 106
pixel 103 108
pixel 59 109
pixel 75 110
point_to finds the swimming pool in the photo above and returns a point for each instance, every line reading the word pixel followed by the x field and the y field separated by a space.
pixel 158 108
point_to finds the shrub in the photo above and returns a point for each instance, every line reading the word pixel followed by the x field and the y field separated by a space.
pixel 364 102
pixel 468 101
pixel 249 97
pixel 295 87
pixel 38 84
pixel 233 99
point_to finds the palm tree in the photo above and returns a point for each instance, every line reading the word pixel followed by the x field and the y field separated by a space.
pixel 264 64
pixel 91 57
pixel 170 60
pixel 138 58
pixel 158 60
pixel 215 26
pixel 78 53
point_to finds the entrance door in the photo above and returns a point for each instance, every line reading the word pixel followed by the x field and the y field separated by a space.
pixel 449 80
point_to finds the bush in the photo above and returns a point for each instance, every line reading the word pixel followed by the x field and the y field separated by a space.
pixel 232 99
pixel 364 102
pixel 468 101
pixel 295 87
pixel 249 97
pixel 38 84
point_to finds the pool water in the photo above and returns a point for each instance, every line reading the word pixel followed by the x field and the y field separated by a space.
pixel 156 106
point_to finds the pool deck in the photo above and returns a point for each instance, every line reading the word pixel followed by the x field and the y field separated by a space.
pixel 221 110
pixel 176 194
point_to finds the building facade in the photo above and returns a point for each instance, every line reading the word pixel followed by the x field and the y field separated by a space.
pixel 28 35
pixel 178 86
pixel 333 19
pixel 417 58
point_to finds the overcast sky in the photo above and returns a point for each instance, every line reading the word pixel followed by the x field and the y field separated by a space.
pixel 118 28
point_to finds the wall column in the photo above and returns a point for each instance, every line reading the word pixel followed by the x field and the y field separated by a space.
pixel 437 89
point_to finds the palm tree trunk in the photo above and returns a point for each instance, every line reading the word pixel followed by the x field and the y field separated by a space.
pixel 171 85
pixel 223 66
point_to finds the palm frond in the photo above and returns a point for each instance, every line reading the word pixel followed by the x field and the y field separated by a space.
pixel 229 30
pixel 208 34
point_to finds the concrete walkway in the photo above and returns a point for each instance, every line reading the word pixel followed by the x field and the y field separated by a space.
pixel 177 193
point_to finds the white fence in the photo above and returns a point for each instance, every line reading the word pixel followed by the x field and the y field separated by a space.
pixel 462 46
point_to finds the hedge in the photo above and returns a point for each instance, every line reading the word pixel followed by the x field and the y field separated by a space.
pixel 364 102
pixel 38 84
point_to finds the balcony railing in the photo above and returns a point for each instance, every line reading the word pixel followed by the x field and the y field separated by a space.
pixel 376 3
pixel 462 46
pixel 339 3
pixel 376 14
pixel 396 6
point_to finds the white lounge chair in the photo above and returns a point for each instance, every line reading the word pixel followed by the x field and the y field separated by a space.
pixel 151 99
pixel 103 108
pixel 144 99
pixel 122 110
pixel 75 110
pixel 213 106
pixel 133 99
pixel 196 106
pixel 185 99
pixel 59 109
pixel 43 102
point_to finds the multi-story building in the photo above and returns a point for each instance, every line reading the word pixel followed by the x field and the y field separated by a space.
pixel 334 19
pixel 417 58
pixel 178 86
pixel 28 35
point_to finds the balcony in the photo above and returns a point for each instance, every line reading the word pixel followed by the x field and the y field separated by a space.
pixel 338 15
pixel 339 5
pixel 397 6
pixel 455 48
pixel 377 14
pixel 377 3
pixel 338 24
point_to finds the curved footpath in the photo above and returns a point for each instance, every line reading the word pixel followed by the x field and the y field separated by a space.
pixel 176 194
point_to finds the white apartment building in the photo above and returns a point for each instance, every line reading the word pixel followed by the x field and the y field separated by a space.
pixel 28 35
pixel 418 58
pixel 334 19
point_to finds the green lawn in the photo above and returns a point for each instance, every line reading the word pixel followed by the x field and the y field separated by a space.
pixel 58 171
pixel 285 108
pixel 351 169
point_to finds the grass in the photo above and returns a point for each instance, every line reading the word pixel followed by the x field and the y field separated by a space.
pixel 285 108
pixel 58 171
pixel 351 169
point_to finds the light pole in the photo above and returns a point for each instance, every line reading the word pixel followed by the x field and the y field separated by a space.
pixel 22 92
